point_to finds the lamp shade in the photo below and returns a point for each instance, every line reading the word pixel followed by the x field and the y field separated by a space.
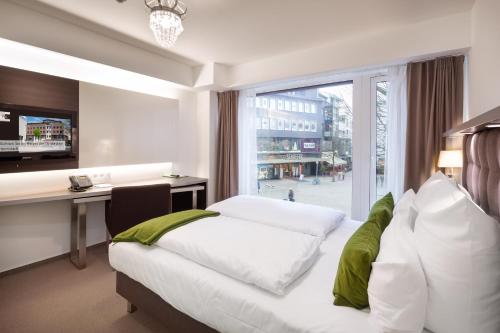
pixel 450 159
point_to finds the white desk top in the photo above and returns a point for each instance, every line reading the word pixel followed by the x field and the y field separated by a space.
pixel 65 194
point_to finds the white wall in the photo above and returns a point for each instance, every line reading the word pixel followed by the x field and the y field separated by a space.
pixel 370 49
pixel 186 140
pixel 120 127
pixel 30 233
pixel 35 232
pixel 25 25
pixel 109 118
pixel 484 60
pixel 377 48
pixel 206 139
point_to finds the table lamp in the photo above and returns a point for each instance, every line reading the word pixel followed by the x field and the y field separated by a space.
pixel 450 159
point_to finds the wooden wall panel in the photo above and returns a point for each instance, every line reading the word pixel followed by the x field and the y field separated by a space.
pixel 20 87
pixel 25 90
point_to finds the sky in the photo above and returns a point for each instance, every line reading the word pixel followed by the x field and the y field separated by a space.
pixel 343 91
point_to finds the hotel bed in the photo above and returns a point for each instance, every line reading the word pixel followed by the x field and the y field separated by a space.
pixel 228 305
pixel 189 297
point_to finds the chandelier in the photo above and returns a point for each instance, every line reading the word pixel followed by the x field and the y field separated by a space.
pixel 165 20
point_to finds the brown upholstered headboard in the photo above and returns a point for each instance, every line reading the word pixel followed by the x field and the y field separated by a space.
pixel 481 171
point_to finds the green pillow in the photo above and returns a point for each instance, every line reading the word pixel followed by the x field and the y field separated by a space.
pixel 351 282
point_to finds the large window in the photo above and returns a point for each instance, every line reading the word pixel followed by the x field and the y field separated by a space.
pixel 324 145
pixel 304 146
pixel 381 90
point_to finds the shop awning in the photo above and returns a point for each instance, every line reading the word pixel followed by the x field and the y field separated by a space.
pixel 338 161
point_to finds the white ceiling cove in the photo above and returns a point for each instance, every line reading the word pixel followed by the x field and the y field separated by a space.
pixel 238 31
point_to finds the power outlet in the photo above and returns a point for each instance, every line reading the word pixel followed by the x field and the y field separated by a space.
pixel 100 178
pixel 107 178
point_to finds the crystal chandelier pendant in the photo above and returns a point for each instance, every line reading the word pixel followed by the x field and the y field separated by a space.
pixel 166 27
pixel 165 20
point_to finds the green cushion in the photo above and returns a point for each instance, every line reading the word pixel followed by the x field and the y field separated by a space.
pixel 355 265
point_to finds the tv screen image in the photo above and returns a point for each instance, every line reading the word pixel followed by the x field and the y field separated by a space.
pixel 44 134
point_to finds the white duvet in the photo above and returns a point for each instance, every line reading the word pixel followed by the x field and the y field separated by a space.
pixel 268 257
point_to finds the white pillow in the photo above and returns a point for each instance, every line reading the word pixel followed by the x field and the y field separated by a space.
pixel 464 190
pixel 439 176
pixel 406 201
pixel 308 219
pixel 397 290
pixel 425 191
pixel 459 246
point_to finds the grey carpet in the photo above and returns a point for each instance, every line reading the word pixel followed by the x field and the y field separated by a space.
pixel 56 297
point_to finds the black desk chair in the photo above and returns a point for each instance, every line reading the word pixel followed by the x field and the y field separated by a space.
pixel 131 205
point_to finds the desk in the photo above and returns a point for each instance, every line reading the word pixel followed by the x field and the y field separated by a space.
pixel 187 192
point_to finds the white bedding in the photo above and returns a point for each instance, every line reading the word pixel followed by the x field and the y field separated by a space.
pixel 295 216
pixel 228 305
pixel 268 257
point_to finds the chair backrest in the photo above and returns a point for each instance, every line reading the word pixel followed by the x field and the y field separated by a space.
pixel 132 205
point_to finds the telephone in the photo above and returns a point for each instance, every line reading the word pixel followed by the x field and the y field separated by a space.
pixel 80 183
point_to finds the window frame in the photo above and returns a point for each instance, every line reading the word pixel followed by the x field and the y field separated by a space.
pixel 373 135
pixel 363 133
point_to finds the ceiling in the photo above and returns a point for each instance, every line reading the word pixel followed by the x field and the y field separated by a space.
pixel 238 31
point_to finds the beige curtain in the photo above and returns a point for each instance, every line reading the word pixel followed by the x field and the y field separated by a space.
pixel 435 104
pixel 227 146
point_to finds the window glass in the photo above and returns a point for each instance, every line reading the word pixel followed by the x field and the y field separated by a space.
pixel 300 125
pixel 272 104
pixel 265 123
pixel 281 124
pixel 273 124
pixel 288 105
pixel 281 104
pixel 313 126
pixel 381 136
pixel 287 124
pixel 306 156
pixel 263 103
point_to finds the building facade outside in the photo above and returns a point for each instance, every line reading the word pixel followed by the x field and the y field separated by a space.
pixel 337 134
pixel 295 131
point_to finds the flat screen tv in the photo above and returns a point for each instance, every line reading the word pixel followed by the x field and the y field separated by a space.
pixel 30 134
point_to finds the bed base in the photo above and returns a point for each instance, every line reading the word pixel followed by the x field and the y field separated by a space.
pixel 143 298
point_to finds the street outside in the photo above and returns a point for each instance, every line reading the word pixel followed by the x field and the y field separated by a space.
pixel 327 193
